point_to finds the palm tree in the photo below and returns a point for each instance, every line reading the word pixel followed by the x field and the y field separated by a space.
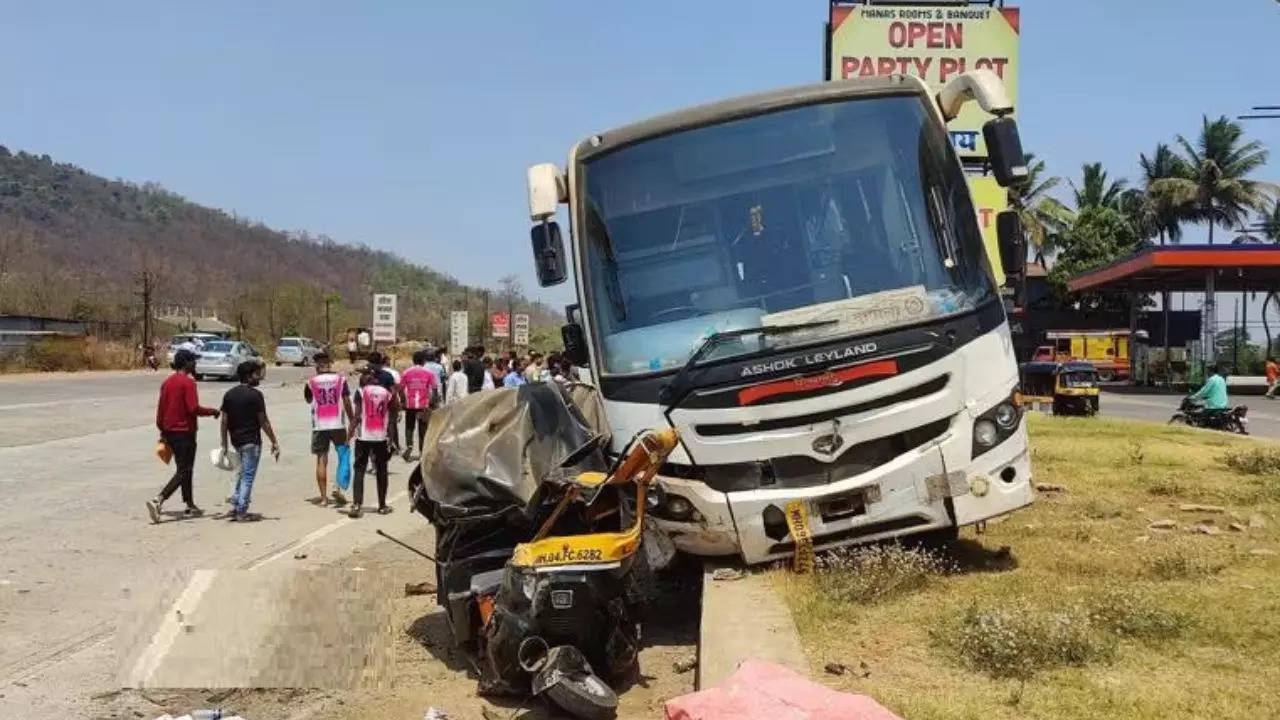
pixel 1162 207
pixel 1217 190
pixel 1042 215
pixel 1095 191
pixel 1271 224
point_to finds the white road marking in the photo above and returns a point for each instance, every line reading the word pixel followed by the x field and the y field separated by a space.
pixel 1170 407
pixel 316 534
pixel 169 628
pixel 72 401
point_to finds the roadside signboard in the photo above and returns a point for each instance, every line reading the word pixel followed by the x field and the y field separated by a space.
pixel 989 199
pixel 384 318
pixel 934 43
pixel 458 332
pixel 501 323
pixel 520 329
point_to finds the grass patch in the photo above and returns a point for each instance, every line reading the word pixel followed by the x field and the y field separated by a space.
pixel 69 354
pixel 876 573
pixel 1090 613
pixel 1018 641
pixel 1183 561
pixel 1254 461
pixel 1131 613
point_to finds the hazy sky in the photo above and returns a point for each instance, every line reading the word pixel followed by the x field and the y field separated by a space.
pixel 408 125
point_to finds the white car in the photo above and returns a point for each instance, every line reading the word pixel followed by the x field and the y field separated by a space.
pixel 220 358
pixel 196 338
pixel 298 351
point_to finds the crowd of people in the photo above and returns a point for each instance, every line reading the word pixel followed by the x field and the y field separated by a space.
pixel 361 425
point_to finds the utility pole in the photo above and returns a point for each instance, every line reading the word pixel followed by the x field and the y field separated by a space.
pixel 484 319
pixel 328 336
pixel 146 308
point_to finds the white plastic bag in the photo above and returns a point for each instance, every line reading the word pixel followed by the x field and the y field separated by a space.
pixel 224 459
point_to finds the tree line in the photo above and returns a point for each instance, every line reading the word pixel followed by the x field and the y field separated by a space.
pixel 1208 180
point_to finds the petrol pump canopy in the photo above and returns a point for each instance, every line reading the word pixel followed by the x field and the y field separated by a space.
pixel 1185 269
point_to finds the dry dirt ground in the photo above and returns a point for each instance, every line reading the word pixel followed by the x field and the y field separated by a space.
pixel 428 671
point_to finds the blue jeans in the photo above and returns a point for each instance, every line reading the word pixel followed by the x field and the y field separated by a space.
pixel 249 457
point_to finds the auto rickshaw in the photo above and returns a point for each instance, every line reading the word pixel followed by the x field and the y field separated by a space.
pixel 1071 387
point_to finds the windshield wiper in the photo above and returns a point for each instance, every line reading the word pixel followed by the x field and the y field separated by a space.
pixel 673 392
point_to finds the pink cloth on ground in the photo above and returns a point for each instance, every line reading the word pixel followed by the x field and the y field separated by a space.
pixel 764 691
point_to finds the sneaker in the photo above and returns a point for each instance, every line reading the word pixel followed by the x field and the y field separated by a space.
pixel 338 498
pixel 192 511
pixel 153 509
pixel 248 516
pixel 354 512
pixel 384 510
pixel 233 516
pixel 408 455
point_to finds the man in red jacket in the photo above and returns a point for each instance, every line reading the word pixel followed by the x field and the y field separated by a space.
pixel 176 415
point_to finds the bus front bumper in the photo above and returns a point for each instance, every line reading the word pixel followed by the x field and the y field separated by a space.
pixel 916 492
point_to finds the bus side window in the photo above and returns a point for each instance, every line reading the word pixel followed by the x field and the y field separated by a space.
pixel 1064 345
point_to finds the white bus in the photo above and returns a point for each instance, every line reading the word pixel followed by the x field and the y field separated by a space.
pixel 796 282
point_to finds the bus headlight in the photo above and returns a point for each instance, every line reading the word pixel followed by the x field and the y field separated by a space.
pixel 995 426
pixel 985 434
pixel 1006 415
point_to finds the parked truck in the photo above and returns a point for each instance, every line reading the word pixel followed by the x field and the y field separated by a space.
pixel 1107 350
pixel 796 281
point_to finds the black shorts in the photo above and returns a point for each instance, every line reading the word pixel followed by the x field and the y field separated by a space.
pixel 322 439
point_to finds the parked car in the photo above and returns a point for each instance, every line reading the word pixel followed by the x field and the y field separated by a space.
pixel 220 358
pixel 197 338
pixel 298 351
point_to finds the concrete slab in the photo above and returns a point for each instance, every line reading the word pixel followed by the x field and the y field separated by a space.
pixel 744 619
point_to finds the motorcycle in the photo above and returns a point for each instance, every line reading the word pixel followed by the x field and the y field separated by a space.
pixel 1191 413
pixel 542 560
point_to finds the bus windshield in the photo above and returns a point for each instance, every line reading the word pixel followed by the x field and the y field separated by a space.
pixel 853 210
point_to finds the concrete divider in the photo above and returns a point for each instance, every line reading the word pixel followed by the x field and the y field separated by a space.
pixel 743 619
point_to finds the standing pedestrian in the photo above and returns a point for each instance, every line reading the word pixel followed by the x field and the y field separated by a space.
pixel 492 374
pixel 351 346
pixel 176 413
pixel 458 387
pixel 435 363
pixel 244 419
pixel 475 366
pixel 384 376
pixel 1273 374
pixel 421 394
pixel 373 406
pixel 533 371
pixel 514 377
pixel 330 400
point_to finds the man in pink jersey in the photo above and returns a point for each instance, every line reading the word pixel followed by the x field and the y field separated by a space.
pixel 330 401
pixel 373 408
pixel 420 386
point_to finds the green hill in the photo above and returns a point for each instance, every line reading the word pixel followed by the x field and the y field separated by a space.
pixel 73 244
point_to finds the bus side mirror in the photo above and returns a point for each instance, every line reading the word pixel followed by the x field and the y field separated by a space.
pixel 1004 149
pixel 575 344
pixel 1009 237
pixel 548 253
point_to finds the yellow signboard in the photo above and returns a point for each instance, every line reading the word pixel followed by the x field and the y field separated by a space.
pixel 934 43
pixel 988 199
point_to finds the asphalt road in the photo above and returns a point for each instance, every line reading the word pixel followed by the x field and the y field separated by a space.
pixel 81 557
pixel 1264 415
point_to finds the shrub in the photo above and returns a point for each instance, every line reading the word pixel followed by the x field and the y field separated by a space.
pixel 875 573
pixel 1182 562
pixel 1130 613
pixel 1017 641
pixel 1254 461
pixel 1096 509
pixel 71 354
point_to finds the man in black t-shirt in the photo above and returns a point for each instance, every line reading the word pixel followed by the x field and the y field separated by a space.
pixel 474 369
pixel 244 419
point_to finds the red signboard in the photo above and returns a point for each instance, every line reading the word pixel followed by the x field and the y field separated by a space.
pixel 501 323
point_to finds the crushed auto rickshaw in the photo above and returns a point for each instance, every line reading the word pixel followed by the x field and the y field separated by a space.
pixel 544 554
pixel 1071 387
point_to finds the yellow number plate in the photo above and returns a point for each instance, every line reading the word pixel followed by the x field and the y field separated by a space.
pixel 798 523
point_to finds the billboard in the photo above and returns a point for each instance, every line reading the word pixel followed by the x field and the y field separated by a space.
pixel 501 323
pixel 458 331
pixel 520 329
pixel 988 199
pixel 384 318
pixel 934 43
